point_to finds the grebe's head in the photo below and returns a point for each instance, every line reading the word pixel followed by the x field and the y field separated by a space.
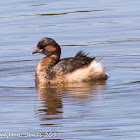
pixel 48 47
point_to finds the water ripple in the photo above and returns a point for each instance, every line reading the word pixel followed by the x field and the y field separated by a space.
pixel 53 14
pixel 86 11
pixel 115 41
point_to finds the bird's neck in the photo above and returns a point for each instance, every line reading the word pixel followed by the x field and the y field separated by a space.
pixel 45 65
pixel 47 62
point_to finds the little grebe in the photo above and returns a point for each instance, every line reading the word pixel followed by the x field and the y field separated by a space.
pixel 52 70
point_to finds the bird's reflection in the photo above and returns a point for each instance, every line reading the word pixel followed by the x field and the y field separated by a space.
pixel 51 97
pixel 51 104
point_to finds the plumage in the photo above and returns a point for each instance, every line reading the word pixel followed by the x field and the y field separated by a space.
pixel 68 65
pixel 53 70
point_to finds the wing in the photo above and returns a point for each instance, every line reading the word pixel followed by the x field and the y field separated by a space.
pixel 68 65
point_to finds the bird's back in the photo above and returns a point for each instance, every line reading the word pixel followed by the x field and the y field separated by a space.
pixel 68 65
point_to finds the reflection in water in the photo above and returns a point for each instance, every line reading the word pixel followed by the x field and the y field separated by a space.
pixel 51 103
pixel 51 98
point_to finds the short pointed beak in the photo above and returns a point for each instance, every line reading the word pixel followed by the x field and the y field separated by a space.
pixel 36 51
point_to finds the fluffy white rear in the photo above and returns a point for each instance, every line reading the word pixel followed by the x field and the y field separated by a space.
pixel 97 67
pixel 93 72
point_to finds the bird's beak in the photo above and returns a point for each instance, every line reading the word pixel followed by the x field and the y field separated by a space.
pixel 37 51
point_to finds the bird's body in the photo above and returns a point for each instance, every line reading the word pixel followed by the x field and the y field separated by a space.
pixel 52 70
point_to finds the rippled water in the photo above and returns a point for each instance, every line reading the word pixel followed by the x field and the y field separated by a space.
pixel 108 30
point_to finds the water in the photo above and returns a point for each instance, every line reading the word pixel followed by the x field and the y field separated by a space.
pixel 108 30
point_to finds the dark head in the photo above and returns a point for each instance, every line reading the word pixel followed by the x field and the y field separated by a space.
pixel 48 47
